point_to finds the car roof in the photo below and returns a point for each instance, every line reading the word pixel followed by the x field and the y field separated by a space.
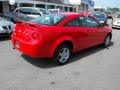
pixel 70 16
pixel 75 14
pixel 70 13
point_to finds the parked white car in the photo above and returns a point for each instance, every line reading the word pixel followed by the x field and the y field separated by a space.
pixel 6 27
pixel 32 11
pixel 116 21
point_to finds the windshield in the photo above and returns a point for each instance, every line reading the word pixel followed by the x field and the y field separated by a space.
pixel 50 19
pixel 118 16
pixel 100 16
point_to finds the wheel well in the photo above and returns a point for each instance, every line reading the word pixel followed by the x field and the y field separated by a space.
pixel 69 43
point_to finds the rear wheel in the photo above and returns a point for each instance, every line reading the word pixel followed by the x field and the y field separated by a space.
pixel 107 41
pixel 62 54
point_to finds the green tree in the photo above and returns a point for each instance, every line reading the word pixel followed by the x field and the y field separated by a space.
pixel 109 9
pixel 115 9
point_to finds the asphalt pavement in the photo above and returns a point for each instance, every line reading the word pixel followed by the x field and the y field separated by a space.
pixel 97 68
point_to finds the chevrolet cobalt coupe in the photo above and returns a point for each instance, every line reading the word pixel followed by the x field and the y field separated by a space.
pixel 58 35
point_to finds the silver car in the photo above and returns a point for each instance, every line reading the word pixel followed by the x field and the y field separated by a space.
pixel 116 21
pixel 33 12
pixel 6 27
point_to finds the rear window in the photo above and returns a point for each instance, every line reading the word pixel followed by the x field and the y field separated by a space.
pixel 50 19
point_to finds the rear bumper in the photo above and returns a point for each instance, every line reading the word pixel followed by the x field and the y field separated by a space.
pixel 32 49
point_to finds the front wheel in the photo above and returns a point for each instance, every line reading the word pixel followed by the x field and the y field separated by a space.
pixel 62 54
pixel 107 41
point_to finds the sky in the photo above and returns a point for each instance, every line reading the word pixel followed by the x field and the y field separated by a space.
pixel 107 3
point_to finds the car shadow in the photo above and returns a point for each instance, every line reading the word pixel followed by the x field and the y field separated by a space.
pixel 87 52
pixel 5 38
pixel 115 28
pixel 41 63
pixel 47 63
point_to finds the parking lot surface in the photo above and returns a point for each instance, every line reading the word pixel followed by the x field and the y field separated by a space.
pixel 97 68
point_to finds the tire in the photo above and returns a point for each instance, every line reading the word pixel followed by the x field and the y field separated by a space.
pixel 107 41
pixel 62 54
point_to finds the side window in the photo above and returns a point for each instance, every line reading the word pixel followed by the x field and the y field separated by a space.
pixel 25 11
pixel 88 22
pixel 74 22
pixel 35 12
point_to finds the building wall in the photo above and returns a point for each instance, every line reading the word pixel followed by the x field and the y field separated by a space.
pixel 81 5
pixel 5 6
pixel 75 2
pixel 91 5
pixel 64 5
pixel 57 1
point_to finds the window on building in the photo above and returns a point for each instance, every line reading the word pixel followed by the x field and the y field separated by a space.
pixel 26 5
pixel 71 9
pixel 1 9
pixel 40 5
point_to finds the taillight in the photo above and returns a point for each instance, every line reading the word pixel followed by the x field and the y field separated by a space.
pixel 35 35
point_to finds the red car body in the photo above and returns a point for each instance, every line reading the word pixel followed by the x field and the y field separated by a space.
pixel 41 41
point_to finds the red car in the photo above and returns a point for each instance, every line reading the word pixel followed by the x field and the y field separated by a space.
pixel 58 35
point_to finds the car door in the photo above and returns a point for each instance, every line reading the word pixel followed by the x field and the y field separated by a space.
pixel 79 33
pixel 95 33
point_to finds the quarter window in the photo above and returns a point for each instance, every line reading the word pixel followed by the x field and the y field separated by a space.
pixel 74 22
